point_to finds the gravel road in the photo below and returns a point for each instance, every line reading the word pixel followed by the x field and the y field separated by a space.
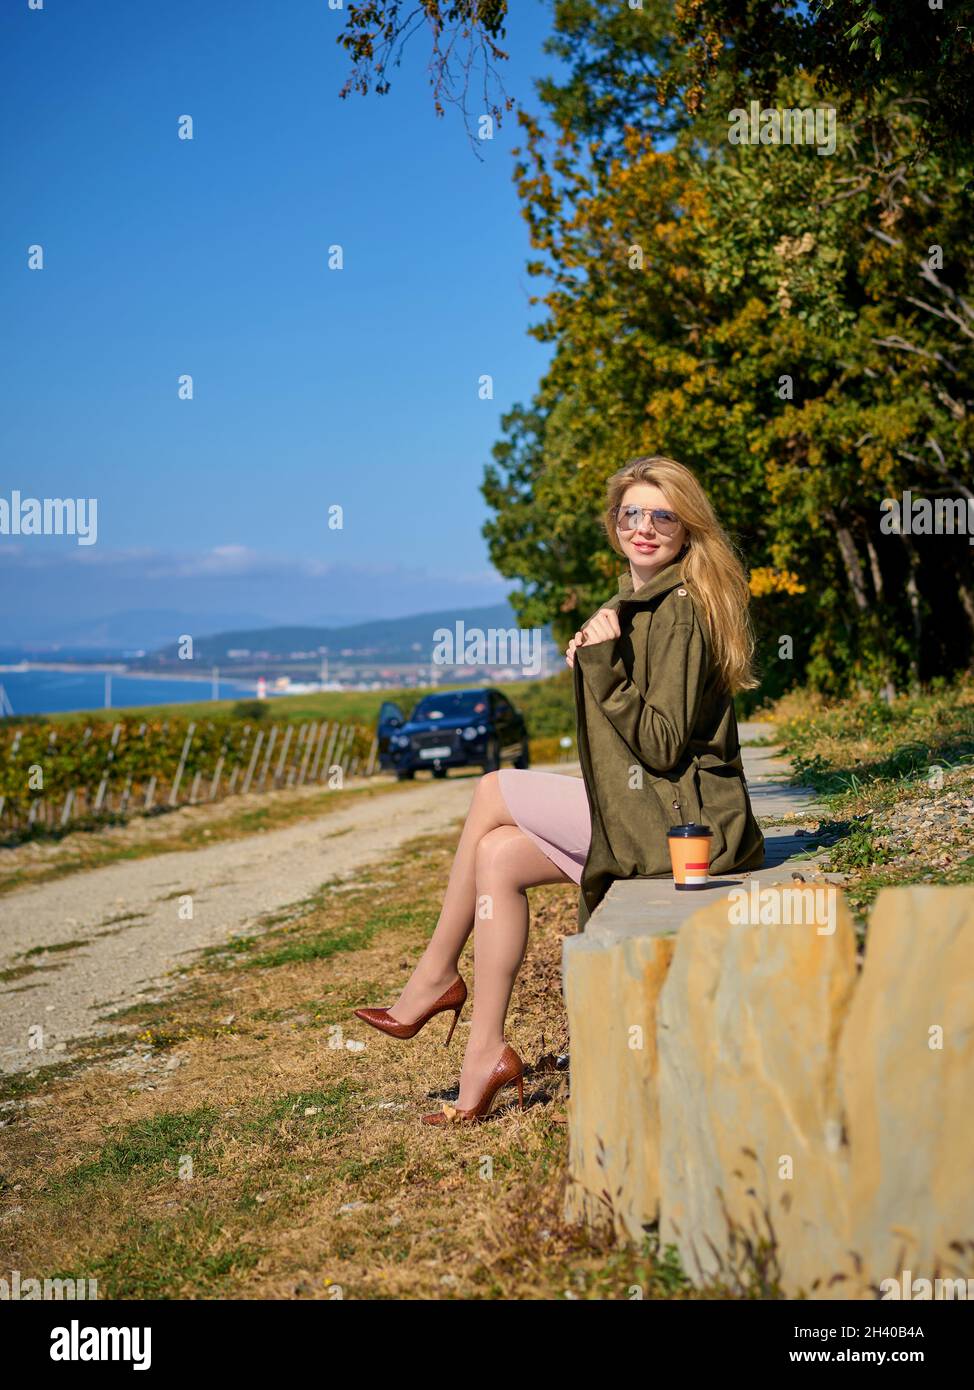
pixel 128 913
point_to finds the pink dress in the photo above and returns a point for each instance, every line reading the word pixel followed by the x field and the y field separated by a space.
pixel 552 809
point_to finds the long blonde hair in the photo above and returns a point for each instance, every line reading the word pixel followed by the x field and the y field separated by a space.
pixel 710 564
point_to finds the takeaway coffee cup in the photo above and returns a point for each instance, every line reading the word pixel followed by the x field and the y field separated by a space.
pixel 689 855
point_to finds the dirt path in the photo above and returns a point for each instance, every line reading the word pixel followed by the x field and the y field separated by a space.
pixel 128 915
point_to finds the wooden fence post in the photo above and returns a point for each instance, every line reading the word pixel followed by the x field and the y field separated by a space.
pixel 288 735
pixel 216 777
pixel 236 767
pixel 267 756
pixel 182 763
pixel 307 753
pixel 336 730
pixel 108 760
pixel 321 741
pixel 297 754
pixel 253 761
pixel 370 766
pixel 346 753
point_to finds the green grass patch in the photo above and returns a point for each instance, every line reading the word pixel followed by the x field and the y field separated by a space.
pixel 841 748
pixel 331 1111
pixel 894 780
pixel 17 972
pixel 185 1256
pixel 320 947
pixel 58 946
pixel 23 1085
pixel 152 1147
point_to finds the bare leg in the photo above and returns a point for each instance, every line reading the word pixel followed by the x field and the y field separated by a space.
pixel 508 863
pixel 437 967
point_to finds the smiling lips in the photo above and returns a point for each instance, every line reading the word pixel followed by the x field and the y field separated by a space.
pixel 637 545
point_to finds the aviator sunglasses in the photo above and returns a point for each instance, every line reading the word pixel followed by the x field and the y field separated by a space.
pixel 628 519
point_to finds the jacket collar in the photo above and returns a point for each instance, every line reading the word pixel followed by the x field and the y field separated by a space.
pixel 667 579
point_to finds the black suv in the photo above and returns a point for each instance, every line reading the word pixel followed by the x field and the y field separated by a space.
pixel 458 728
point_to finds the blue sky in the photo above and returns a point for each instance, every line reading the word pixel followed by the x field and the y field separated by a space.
pixel 312 387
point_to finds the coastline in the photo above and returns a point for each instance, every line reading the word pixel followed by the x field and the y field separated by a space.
pixel 67 687
pixel 118 669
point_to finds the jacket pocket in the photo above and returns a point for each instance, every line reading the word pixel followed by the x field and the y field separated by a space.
pixel 723 797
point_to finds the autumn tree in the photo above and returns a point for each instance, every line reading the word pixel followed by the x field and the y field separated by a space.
pixel 794 327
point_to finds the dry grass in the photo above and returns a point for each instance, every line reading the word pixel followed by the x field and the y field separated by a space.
pixel 311 1173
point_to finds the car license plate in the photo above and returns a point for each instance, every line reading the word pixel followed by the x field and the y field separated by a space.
pixel 443 752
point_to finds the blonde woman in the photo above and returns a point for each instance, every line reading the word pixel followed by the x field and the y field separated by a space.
pixel 655 670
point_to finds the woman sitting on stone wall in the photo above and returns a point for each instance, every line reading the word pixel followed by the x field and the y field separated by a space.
pixel 655 670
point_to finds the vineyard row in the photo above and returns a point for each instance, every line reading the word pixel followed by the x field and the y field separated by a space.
pixel 55 777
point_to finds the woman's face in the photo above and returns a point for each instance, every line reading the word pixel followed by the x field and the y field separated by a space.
pixel 654 543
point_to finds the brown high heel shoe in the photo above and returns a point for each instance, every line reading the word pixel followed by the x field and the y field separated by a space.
pixel 508 1068
pixel 454 998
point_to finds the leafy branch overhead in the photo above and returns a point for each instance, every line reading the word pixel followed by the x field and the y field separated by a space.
pixel 463 36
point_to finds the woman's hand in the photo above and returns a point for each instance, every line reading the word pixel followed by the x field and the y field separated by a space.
pixel 604 627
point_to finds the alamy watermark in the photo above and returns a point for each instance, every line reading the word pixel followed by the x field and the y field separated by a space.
pixel 493 646
pixel 921 1290
pixel 77 1343
pixel 17 1289
pixel 767 125
pixel 771 906
pixel 50 516
pixel 907 515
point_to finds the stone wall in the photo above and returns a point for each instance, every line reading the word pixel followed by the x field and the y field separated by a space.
pixel 738 1077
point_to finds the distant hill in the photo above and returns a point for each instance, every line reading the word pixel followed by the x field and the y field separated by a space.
pixel 393 640
pixel 131 629
pixel 145 628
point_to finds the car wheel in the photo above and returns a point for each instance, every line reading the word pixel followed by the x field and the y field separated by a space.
pixel 525 757
pixel 492 759
pixel 405 776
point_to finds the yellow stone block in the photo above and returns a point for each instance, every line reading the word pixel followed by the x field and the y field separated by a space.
pixel 907 1084
pixel 752 1137
pixel 611 991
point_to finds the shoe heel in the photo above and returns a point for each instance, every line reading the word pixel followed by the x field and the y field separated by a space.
pixel 456 1020
pixel 498 1097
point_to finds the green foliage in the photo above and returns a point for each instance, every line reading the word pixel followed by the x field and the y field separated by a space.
pixel 859 849
pixel 856 47
pixel 548 705
pixel 251 709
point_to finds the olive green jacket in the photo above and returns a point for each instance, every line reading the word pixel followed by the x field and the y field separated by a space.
pixel 655 726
